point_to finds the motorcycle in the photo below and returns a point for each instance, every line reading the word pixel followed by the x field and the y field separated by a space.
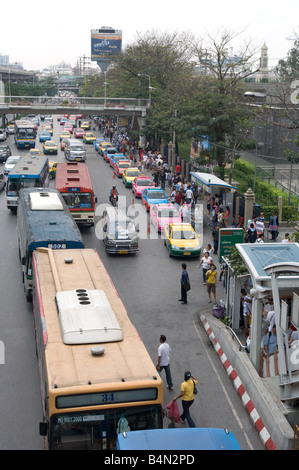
pixel 113 200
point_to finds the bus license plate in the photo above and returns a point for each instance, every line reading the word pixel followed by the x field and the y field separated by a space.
pixel 123 252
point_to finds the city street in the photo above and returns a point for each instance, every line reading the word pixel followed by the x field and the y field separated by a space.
pixel 149 286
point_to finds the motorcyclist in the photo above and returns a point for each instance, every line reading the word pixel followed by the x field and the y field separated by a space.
pixel 113 194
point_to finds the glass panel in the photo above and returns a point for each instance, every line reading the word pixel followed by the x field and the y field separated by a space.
pixel 98 430
pixel 76 200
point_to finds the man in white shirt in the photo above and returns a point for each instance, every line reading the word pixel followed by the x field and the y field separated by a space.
pixel 164 360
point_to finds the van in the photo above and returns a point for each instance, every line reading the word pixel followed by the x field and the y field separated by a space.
pixel 74 150
pixel 120 234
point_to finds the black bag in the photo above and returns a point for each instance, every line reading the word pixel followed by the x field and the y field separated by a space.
pixel 195 389
pixel 187 286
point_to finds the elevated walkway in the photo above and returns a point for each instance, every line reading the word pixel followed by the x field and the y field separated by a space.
pixel 78 105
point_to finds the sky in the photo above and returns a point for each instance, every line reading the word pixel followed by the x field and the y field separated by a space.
pixel 43 34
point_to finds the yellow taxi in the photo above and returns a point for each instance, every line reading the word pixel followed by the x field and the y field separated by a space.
pixel 89 138
pixel 182 240
pixel 85 125
pixel 49 129
pixel 34 153
pixel 64 135
pixel 50 147
pixel 103 146
pixel 129 175
pixel 52 169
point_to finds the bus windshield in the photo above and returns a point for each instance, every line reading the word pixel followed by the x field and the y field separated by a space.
pixel 76 200
pixel 14 185
pixel 98 429
pixel 26 134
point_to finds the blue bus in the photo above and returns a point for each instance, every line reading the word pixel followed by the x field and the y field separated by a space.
pixel 43 220
pixel 178 439
pixel 24 134
pixel 29 172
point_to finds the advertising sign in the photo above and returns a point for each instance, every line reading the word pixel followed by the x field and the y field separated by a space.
pixel 104 44
pixel 228 237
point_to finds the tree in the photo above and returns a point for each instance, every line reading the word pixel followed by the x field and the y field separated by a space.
pixel 220 100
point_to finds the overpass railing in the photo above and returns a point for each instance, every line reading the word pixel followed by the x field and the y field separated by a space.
pixel 68 102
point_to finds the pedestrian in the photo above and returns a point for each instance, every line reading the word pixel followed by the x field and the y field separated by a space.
pixel 184 284
pixel 164 360
pixel 252 233
pixel 189 195
pixel 205 262
pixel 273 226
pixel 215 239
pixel 211 276
pixel 187 396
pixel 195 193
pixel 246 301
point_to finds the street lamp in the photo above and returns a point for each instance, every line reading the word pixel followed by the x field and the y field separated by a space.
pixel 149 84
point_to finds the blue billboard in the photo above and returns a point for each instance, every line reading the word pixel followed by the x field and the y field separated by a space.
pixel 104 44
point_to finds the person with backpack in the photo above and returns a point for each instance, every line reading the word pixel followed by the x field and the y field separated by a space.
pixel 252 233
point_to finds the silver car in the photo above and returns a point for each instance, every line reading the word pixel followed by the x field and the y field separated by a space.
pixel 10 163
pixel 3 134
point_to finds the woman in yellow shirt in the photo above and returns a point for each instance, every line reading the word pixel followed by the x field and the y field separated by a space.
pixel 211 276
pixel 187 395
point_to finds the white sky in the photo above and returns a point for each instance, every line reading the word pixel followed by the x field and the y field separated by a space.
pixel 39 34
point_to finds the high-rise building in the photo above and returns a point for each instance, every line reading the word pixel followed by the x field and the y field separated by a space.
pixel 4 59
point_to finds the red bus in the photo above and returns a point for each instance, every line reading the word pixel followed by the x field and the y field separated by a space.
pixel 74 184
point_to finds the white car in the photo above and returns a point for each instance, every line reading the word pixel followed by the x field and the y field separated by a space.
pixel 3 134
pixel 10 163
pixel 10 129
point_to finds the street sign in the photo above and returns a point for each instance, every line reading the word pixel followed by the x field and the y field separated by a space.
pixel 228 237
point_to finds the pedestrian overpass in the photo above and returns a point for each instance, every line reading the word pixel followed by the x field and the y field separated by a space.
pixel 119 107
pixel 79 105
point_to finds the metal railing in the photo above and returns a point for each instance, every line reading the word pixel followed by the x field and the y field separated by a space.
pixel 68 102
pixel 234 336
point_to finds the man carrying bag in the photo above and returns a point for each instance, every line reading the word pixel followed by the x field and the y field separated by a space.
pixel 185 284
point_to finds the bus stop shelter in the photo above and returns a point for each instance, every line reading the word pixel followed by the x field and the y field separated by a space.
pixel 213 185
pixel 258 257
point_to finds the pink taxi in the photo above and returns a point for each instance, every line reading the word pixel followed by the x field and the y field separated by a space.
pixel 162 215
pixel 140 183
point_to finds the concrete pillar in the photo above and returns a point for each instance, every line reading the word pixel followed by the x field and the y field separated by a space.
pixel 249 201
pixel 142 138
pixel 188 172
pixel 280 201
pixel 256 332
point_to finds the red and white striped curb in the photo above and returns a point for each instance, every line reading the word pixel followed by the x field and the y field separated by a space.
pixel 249 406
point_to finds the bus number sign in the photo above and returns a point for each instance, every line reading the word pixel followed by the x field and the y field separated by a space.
pixel 57 246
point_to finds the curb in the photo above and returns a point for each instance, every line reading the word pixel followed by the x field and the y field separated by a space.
pixel 248 404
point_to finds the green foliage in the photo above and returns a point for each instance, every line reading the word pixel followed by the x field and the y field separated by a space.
pixel 289 213
pixel 236 262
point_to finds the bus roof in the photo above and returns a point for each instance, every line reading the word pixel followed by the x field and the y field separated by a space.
pixel 72 174
pixel 24 123
pixel 47 225
pixel 28 166
pixel 178 439
pixel 123 361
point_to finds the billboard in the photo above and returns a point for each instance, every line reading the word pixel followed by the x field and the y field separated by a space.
pixel 105 43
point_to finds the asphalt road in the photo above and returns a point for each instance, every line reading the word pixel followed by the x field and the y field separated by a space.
pixel 149 285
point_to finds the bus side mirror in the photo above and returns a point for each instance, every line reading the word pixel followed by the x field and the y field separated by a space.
pixel 43 429
pixel 95 199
